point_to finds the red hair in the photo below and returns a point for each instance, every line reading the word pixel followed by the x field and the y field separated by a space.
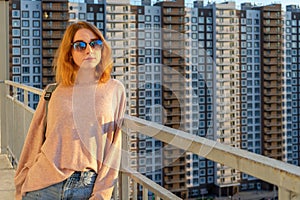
pixel 65 68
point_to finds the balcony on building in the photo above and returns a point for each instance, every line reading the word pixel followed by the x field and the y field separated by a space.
pixel 16 116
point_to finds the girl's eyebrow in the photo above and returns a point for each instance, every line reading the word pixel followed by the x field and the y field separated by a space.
pixel 78 41
pixel 87 42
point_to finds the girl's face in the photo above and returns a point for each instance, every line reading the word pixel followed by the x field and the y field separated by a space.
pixel 86 49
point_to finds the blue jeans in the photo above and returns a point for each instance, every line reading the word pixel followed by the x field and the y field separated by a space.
pixel 79 186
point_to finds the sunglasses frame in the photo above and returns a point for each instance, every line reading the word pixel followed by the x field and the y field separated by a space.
pixel 93 44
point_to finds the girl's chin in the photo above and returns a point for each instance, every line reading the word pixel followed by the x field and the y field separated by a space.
pixel 87 66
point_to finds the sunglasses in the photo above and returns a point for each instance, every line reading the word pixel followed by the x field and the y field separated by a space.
pixel 81 45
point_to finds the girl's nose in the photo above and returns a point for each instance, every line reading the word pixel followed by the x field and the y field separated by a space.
pixel 89 49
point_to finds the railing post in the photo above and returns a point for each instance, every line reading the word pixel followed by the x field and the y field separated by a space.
pixel 285 194
pixel 4 16
pixel 124 183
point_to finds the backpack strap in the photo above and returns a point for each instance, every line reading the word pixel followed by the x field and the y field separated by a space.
pixel 50 88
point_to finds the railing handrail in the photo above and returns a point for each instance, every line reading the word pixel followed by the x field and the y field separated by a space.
pixel 24 87
pixel 276 172
pixel 148 183
pixel 284 175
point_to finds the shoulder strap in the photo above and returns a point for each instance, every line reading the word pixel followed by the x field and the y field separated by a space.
pixel 50 88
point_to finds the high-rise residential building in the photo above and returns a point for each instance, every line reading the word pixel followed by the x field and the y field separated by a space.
pixel 148 90
pixel 272 81
pixel 55 17
pixel 227 87
pixel 117 31
pixel 173 91
pixel 199 39
pixel 26 45
pixel 291 146
pixel 250 65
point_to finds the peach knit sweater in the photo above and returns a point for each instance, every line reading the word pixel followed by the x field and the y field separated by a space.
pixel 83 132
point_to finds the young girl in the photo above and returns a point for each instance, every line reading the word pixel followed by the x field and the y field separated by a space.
pixel 78 156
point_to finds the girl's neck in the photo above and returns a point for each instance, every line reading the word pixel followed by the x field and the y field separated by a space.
pixel 86 76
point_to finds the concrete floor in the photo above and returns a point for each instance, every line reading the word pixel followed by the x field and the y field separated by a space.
pixel 7 188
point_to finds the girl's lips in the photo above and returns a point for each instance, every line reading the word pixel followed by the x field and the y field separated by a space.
pixel 89 58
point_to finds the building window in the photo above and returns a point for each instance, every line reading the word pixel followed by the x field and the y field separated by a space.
pixel 16 79
pixel 25 51
pixel 16 60
pixel 36 60
pixel 25 33
pixel 15 42
pixel 36 42
pixel 81 16
pixel 16 70
pixel 148 18
pixel 25 42
pixel 36 79
pixel 25 79
pixel 36 70
pixel 72 15
pixel 99 16
pixel 25 23
pixel 36 23
pixel 16 32
pixel 16 51
pixel 90 16
pixel 15 23
pixel 25 60
pixel 36 51
pixel 36 14
pixel 25 70
pixel 36 33
pixel 15 13
pixel 25 14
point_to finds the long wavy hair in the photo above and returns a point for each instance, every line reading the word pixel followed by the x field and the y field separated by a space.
pixel 64 66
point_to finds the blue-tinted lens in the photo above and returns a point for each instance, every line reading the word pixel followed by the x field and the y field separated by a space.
pixel 96 43
pixel 79 46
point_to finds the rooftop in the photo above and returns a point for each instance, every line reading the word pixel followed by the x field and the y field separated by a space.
pixel 15 117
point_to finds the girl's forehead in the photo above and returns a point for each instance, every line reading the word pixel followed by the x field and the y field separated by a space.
pixel 84 34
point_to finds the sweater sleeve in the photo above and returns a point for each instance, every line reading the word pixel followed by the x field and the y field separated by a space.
pixel 31 148
pixel 108 170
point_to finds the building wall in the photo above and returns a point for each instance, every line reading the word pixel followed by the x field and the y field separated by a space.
pixel 272 87
pixel 227 90
pixel 54 22
pixel 291 77
pixel 25 47
pixel 250 21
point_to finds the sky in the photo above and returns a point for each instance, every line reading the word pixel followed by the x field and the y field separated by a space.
pixel 258 2
pixel 237 2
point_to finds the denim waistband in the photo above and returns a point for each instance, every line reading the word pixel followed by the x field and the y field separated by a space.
pixel 88 173
pixel 79 185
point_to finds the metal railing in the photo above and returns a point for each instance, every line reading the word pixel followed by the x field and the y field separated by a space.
pixel 285 176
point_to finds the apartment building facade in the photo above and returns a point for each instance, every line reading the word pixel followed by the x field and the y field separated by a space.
pixel 250 56
pixel 26 45
pixel 291 81
pixel 55 18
